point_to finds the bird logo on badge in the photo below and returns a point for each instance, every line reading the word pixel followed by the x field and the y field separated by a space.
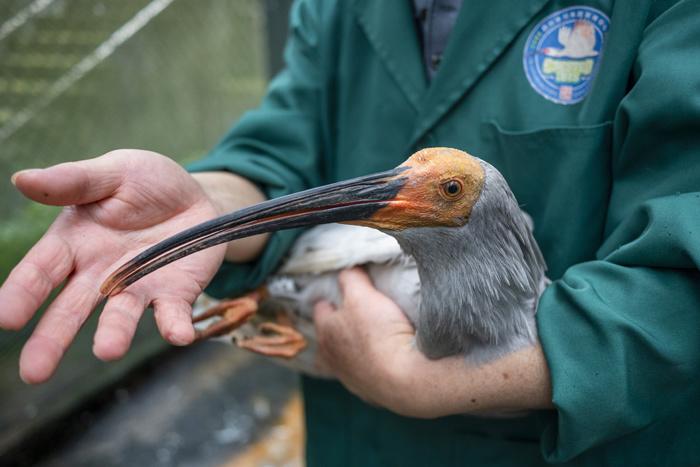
pixel 562 53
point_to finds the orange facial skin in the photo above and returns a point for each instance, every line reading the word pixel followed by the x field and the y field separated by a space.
pixel 443 186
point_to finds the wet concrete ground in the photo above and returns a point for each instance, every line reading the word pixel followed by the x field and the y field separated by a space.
pixel 207 405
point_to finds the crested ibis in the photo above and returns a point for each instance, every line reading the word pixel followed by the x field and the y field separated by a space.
pixel 451 247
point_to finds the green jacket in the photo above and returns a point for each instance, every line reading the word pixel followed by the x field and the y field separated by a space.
pixel 612 183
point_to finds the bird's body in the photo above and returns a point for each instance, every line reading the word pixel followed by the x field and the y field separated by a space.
pixel 451 247
pixel 310 274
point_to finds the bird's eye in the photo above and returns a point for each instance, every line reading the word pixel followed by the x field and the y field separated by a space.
pixel 452 189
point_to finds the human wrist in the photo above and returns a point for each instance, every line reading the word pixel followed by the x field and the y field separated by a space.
pixel 228 192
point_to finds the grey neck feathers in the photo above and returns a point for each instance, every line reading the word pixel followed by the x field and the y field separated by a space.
pixel 480 282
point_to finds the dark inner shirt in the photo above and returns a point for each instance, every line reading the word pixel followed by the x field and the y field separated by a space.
pixel 435 20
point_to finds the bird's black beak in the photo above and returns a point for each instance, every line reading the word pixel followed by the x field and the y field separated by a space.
pixel 352 200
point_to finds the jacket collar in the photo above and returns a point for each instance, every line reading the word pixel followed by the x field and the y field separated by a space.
pixel 390 29
pixel 484 29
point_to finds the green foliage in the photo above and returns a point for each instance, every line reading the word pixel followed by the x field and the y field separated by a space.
pixel 18 236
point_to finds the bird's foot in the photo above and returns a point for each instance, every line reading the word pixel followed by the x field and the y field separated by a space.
pixel 232 314
pixel 274 340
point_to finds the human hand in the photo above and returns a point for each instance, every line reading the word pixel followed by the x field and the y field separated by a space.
pixel 116 205
pixel 368 344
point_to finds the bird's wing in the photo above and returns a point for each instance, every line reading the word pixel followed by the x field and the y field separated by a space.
pixel 333 247
pixel 310 273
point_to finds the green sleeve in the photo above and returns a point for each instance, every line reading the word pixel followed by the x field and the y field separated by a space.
pixel 621 334
pixel 276 146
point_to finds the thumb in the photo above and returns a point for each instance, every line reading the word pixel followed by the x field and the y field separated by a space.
pixel 355 282
pixel 69 183
pixel 357 289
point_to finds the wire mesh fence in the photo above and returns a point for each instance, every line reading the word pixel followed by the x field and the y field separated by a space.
pixel 81 77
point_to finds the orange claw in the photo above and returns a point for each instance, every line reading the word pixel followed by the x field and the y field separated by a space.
pixel 233 313
pixel 275 340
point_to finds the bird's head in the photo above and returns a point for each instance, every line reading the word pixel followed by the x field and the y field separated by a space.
pixel 439 188
pixel 435 187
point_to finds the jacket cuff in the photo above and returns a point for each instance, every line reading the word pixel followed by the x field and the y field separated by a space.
pixel 234 279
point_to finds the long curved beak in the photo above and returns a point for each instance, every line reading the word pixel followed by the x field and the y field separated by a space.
pixel 352 200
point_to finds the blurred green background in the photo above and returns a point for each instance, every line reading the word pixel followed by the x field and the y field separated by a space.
pixel 79 78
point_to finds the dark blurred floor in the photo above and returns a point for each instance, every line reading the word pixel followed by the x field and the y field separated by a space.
pixel 202 406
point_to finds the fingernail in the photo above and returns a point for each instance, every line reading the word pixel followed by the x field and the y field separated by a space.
pixel 13 179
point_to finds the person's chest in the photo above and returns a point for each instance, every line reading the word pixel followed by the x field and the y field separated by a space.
pixel 530 86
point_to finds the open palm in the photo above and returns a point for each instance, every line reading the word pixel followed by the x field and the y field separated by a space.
pixel 116 206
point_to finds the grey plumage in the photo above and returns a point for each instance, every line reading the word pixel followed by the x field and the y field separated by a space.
pixel 481 281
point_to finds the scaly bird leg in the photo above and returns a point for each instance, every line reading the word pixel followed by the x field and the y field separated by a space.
pixel 275 340
pixel 233 313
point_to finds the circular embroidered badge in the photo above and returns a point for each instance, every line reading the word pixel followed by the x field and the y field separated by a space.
pixel 563 51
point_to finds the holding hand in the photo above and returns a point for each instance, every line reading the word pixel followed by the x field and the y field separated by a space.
pixel 367 343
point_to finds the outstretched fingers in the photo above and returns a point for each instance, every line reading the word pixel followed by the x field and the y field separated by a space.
pixel 174 319
pixel 117 325
pixel 57 329
pixel 46 265
pixel 121 315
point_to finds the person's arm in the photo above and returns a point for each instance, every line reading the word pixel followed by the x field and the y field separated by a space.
pixel 368 344
pixel 619 334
